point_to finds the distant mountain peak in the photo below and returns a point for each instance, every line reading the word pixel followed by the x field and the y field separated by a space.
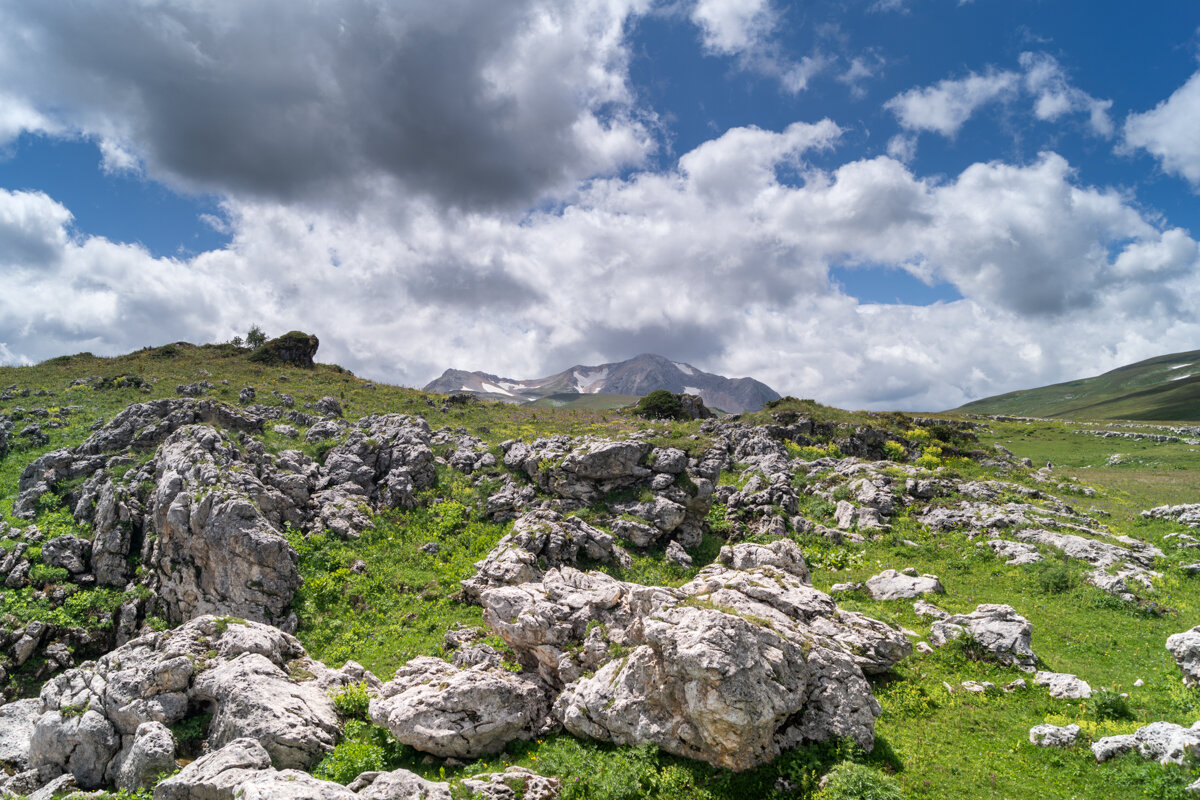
pixel 637 376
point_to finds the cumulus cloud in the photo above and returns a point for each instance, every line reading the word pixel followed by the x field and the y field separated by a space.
pixel 745 30
pixel 948 104
pixel 1054 96
pixel 472 103
pixel 719 261
pixel 1168 131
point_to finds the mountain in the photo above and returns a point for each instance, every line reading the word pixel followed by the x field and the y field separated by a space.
pixel 636 377
pixel 1161 388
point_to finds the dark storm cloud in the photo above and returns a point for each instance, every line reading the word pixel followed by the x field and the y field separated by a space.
pixel 304 101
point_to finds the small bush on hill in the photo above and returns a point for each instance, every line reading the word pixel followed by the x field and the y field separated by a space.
pixel 659 404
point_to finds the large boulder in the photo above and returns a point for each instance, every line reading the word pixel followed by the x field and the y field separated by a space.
pixel 17 723
pixel 440 709
pixel 1164 742
pixel 1003 634
pixel 731 668
pixel 294 348
pixel 217 552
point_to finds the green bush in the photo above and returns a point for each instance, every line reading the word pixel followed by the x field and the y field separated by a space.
pixel 895 451
pixel 349 759
pixel 1055 579
pixel 850 781
pixel 1108 705
pixel 353 701
pixel 40 575
pixel 659 404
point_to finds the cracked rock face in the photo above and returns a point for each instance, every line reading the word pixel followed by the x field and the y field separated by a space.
pixel 541 539
pixel 731 668
pixel 92 720
pixel 216 550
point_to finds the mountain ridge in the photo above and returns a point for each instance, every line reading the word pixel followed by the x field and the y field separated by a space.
pixel 637 376
pixel 1164 388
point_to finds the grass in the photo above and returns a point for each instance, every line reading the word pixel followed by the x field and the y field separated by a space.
pixel 381 600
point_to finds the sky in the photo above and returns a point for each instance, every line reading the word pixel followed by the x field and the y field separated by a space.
pixel 885 204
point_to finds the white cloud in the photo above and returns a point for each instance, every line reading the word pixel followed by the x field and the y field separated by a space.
pixel 717 262
pixel 902 147
pixel 745 30
pixel 730 27
pixel 1056 97
pixel 1168 131
pixel 947 105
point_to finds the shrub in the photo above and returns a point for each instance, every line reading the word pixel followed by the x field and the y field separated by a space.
pixel 350 759
pixel 1055 579
pixel 850 781
pixel 1105 704
pixel 895 451
pixel 353 701
pixel 659 404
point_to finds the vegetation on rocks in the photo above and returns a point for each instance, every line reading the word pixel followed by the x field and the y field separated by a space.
pixel 858 492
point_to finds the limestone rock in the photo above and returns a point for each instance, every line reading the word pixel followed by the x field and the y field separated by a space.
pixel 1165 742
pixel 540 538
pixel 1185 647
pixel 149 755
pixel 1064 686
pixel 217 552
pixel 17 722
pixel 999 629
pixel 447 712
pixel 893 585
pixel 1054 735
pixel 731 668
pixel 92 720
pixel 216 775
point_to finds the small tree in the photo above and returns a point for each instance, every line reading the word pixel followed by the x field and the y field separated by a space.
pixel 255 338
pixel 237 342
pixel 659 404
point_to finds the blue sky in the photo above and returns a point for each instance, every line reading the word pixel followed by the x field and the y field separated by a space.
pixel 884 204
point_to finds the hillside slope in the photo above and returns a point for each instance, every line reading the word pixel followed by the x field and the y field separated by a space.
pixel 1161 388
pixel 637 377
pixel 283 537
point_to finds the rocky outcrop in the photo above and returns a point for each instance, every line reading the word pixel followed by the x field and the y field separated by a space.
pixel 217 551
pixel 294 348
pixel 1002 634
pixel 243 769
pixel 95 720
pixel 1185 514
pixel 540 540
pixel 440 709
pixel 1165 742
pixel 383 463
pixel 745 660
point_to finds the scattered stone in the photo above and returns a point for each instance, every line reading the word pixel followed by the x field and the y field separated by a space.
pixel 1063 686
pixel 329 407
pixel 286 431
pixel 1164 742
pixel 893 585
pixel 1054 735
pixel 1003 633
pixel 1185 647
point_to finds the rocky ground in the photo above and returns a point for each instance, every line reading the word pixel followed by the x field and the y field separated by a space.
pixel 188 580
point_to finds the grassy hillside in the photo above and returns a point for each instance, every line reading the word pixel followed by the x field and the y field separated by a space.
pixel 1162 388
pixel 937 744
